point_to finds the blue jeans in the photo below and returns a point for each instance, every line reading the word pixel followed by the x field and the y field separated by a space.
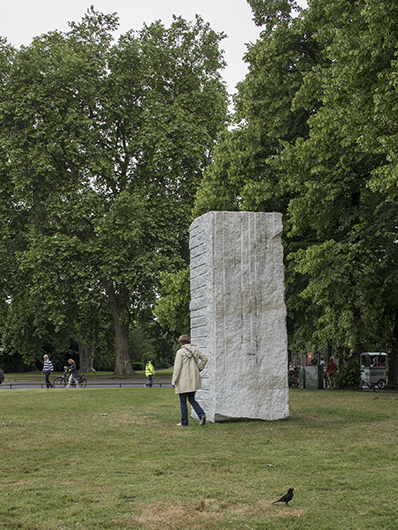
pixel 47 375
pixel 184 408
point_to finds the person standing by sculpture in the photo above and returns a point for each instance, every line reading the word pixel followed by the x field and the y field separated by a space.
pixel 149 373
pixel 188 364
pixel 48 369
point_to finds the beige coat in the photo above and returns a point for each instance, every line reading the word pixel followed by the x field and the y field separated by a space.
pixel 188 363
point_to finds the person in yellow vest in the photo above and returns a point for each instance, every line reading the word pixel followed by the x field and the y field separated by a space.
pixel 149 373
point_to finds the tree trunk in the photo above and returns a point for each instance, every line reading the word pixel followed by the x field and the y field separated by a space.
pixel 85 355
pixel 122 324
pixel 122 358
pixel 392 358
pixel 329 351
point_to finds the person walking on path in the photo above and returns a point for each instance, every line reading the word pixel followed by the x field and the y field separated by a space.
pixel 188 364
pixel 73 374
pixel 149 373
pixel 48 369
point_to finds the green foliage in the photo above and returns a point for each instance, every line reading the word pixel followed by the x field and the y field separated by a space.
pixel 137 366
pixel 353 256
pixel 270 13
pixel 316 141
pixel 348 376
pixel 172 308
pixel 103 147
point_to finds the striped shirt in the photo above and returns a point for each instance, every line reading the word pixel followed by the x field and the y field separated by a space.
pixel 48 366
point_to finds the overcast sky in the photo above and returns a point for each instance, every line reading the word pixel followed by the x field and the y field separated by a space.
pixel 21 20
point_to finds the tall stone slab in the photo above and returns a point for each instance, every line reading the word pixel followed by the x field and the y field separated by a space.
pixel 238 314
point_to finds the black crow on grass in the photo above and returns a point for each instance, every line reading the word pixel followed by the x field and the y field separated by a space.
pixel 287 497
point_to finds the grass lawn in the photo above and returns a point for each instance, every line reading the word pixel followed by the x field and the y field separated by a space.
pixel 114 458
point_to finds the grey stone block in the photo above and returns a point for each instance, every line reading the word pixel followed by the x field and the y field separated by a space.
pixel 238 314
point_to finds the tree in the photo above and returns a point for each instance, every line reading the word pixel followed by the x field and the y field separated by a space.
pixel 317 139
pixel 242 175
pixel 342 175
pixel 105 145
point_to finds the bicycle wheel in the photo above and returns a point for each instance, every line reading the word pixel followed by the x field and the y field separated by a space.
pixel 59 382
pixel 83 383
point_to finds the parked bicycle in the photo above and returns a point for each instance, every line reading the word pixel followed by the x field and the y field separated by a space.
pixel 62 380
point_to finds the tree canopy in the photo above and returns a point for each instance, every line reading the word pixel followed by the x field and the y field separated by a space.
pixel 316 139
pixel 103 145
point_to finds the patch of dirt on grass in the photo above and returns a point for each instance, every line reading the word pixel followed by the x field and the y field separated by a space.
pixel 124 419
pixel 274 511
pixel 205 514
pixel 13 484
pixel 266 508
pixel 176 516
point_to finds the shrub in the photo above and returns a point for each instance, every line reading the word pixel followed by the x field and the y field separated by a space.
pixel 137 366
pixel 348 376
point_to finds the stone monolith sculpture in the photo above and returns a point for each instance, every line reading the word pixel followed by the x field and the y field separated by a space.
pixel 238 314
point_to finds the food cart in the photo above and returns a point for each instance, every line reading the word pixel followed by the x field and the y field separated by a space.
pixel 374 369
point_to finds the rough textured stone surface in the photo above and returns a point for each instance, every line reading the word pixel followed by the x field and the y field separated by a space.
pixel 238 314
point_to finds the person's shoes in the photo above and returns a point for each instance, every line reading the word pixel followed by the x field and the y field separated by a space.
pixel 203 420
pixel 180 425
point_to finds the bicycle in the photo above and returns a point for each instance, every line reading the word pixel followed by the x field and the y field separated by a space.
pixel 62 380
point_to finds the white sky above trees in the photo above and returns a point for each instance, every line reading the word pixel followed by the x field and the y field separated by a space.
pixel 21 20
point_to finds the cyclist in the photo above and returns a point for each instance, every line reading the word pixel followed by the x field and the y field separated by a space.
pixel 73 374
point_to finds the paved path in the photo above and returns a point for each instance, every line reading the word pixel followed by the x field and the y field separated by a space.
pixel 92 383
